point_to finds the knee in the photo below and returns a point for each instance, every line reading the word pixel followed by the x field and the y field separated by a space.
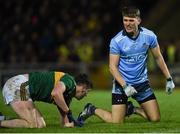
pixel 35 125
pixel 155 119
pixel 118 121
pixel 32 125
pixel 41 123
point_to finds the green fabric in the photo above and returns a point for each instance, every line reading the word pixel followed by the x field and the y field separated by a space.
pixel 69 82
pixel 41 85
pixel 70 88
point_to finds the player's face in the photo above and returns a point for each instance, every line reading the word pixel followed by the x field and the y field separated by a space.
pixel 131 24
pixel 81 91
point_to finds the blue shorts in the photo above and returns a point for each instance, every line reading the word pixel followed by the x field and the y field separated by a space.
pixel 144 92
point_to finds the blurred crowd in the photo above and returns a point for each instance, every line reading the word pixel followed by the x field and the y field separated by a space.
pixel 170 51
pixel 54 30
pixel 57 30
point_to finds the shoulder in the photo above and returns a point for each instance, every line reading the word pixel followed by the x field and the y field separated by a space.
pixel 118 37
pixel 147 32
pixel 67 76
pixel 70 86
pixel 68 80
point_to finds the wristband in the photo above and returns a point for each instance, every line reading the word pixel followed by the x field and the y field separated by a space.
pixel 169 79
pixel 124 86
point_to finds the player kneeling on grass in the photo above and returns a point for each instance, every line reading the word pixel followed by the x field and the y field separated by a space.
pixel 128 65
pixel 51 87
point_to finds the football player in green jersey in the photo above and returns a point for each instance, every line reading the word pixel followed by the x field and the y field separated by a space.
pixel 52 87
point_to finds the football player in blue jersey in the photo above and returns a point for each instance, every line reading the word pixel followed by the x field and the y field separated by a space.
pixel 128 65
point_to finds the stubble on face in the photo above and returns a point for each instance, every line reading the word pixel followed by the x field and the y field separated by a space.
pixel 131 25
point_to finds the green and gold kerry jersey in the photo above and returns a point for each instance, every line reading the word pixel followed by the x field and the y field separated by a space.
pixel 41 85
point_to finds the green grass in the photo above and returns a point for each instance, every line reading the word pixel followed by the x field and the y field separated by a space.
pixel 169 105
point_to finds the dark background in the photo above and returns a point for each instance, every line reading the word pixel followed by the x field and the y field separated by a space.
pixel 75 34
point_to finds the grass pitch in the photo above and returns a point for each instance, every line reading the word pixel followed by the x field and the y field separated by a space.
pixel 169 106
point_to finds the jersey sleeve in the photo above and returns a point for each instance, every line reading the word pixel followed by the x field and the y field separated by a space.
pixel 153 41
pixel 69 83
pixel 114 48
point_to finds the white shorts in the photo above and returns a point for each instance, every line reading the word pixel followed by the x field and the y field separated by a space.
pixel 12 90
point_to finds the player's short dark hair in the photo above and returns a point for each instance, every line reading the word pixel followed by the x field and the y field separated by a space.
pixel 84 79
pixel 130 11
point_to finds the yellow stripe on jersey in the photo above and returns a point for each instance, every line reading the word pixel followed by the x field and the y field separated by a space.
pixel 58 76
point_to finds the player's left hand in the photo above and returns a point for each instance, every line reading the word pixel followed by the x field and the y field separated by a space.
pixel 76 122
pixel 169 86
pixel 70 116
pixel 69 124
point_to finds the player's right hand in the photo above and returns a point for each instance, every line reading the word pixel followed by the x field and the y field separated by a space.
pixel 129 90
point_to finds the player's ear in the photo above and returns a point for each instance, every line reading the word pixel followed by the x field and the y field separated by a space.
pixel 139 20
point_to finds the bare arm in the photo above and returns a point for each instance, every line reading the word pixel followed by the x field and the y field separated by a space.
pixel 160 61
pixel 57 94
pixel 113 65
pixel 64 119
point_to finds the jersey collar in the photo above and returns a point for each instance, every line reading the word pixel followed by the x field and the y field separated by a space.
pixel 126 34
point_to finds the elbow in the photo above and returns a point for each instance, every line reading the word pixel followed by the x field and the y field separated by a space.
pixel 53 94
pixel 55 100
pixel 158 57
pixel 56 94
pixel 112 68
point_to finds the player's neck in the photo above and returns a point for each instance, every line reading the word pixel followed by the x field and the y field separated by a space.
pixel 135 34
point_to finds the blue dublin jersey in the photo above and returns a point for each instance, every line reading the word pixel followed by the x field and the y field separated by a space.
pixel 133 54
